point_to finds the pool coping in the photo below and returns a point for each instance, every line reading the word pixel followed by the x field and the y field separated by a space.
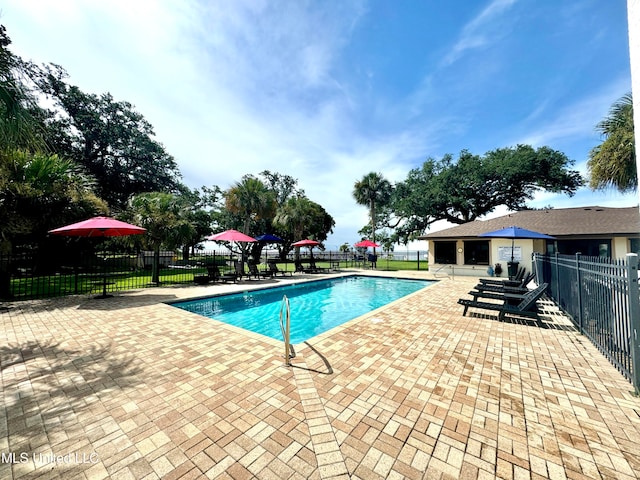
pixel 325 277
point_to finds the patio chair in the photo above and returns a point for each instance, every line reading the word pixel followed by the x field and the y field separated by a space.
pixel 514 282
pixel 254 272
pixel 301 268
pixel 273 268
pixel 512 296
pixel 507 285
pixel 239 269
pixel 315 268
pixel 526 307
pixel 216 276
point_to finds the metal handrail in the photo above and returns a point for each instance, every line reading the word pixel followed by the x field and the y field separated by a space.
pixel 285 327
pixel 435 274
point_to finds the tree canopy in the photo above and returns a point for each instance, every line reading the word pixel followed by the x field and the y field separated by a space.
pixel 251 201
pixel 302 218
pixel 109 138
pixel 87 154
pixel 612 164
pixel 166 218
pixel 465 189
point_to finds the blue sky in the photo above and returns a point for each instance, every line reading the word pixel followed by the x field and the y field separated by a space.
pixel 327 91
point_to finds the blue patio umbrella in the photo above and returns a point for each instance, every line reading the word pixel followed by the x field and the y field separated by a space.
pixel 269 238
pixel 514 232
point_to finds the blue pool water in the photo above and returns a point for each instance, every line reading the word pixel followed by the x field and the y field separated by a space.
pixel 315 306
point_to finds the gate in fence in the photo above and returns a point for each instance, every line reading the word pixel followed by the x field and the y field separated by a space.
pixel 602 298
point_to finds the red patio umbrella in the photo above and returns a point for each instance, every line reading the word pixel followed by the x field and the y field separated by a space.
pixel 366 244
pixel 231 236
pixel 99 227
pixel 305 243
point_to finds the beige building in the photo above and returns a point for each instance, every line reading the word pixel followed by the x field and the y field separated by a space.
pixel 591 231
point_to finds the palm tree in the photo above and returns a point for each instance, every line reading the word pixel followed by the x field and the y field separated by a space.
pixel 293 217
pixel 371 191
pixel 18 127
pixel 250 200
pixel 613 162
pixel 166 218
pixel 39 191
pixel 300 218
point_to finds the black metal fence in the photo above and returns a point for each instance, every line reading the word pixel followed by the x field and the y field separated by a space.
pixel 602 298
pixel 29 276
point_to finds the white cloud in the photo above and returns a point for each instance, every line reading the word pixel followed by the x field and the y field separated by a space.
pixel 239 87
pixel 480 31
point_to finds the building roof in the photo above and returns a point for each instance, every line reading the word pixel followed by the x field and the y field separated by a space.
pixel 560 222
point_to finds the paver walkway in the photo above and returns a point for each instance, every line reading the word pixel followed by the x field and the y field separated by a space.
pixel 131 388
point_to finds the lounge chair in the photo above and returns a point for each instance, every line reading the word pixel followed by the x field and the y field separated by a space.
pixel 507 285
pixel 254 272
pixel 526 307
pixel 216 276
pixel 273 268
pixel 510 296
pixel 315 268
pixel 515 281
pixel 301 269
pixel 239 269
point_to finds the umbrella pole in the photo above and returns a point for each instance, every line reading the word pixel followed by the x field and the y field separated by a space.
pixel 104 280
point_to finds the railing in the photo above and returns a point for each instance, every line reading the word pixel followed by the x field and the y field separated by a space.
pixel 602 298
pixel 33 275
pixel 285 327
pixel 440 272
pixel 28 277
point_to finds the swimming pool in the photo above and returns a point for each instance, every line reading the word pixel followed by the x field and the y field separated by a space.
pixel 316 306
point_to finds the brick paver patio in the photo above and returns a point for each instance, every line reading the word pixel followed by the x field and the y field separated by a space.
pixel 132 388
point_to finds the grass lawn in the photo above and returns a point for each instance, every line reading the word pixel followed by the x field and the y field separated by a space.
pixel 69 284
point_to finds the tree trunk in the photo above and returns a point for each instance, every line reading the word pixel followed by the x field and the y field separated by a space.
pixel 373 224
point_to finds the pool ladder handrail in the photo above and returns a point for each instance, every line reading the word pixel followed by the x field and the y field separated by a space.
pixel 285 327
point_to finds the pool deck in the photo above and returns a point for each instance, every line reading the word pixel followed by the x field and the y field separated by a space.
pixel 131 388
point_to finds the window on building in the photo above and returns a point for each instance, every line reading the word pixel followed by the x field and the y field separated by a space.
pixel 634 245
pixel 476 252
pixel 587 247
pixel 444 252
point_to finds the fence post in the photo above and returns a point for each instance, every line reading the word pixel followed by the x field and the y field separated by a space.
pixel 556 273
pixel 418 259
pixel 634 317
pixel 579 291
